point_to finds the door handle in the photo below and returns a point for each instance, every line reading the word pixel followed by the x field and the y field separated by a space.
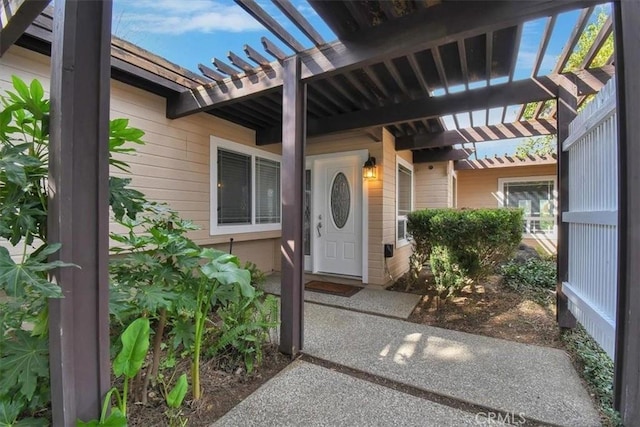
pixel 318 227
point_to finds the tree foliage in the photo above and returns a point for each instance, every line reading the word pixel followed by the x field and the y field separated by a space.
pixel 585 42
pixel 542 146
pixel 547 144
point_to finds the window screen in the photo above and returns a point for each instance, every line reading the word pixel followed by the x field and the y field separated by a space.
pixel 234 188
pixel 267 191
pixel 536 199
pixel 404 190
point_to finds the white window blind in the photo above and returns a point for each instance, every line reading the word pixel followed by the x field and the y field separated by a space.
pixel 234 188
pixel 267 191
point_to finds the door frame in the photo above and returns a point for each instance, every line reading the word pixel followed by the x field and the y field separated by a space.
pixel 362 156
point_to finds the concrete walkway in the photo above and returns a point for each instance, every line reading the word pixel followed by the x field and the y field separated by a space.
pixel 486 375
pixel 370 299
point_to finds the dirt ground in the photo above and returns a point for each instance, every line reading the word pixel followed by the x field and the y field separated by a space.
pixel 491 309
pixel 221 392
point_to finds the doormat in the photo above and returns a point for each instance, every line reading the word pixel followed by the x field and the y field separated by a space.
pixel 332 288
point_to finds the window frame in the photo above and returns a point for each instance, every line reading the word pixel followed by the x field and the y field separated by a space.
pixel 216 229
pixel 406 239
pixel 538 178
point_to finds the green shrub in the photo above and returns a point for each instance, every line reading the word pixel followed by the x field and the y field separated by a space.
pixel 246 321
pixel 533 273
pixel 597 370
pixel 474 242
pixel 449 276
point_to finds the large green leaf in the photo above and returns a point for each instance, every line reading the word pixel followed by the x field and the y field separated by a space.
pixel 183 331
pixel 15 278
pixel 219 256
pixel 9 412
pixel 124 201
pixel 178 392
pixel 229 274
pixel 24 360
pixel 13 163
pixel 135 344
pixel 115 419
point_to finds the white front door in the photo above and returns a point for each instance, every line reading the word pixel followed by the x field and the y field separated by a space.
pixel 336 221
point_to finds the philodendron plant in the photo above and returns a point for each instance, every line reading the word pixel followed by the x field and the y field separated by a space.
pixel 135 345
pixel 222 273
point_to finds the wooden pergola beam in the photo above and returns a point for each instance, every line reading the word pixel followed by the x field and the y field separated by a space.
pixel 79 208
pixel 567 101
pixel 256 57
pixel 477 134
pixel 211 73
pixel 627 363
pixel 392 39
pixel 517 92
pixel 273 50
pixel 293 154
pixel 299 21
pixel 15 18
pixel 240 63
pixel 260 15
pixel 428 156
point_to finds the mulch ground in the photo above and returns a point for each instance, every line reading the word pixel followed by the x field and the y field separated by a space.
pixel 222 391
pixel 490 309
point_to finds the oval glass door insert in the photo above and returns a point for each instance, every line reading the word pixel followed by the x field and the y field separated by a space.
pixel 340 200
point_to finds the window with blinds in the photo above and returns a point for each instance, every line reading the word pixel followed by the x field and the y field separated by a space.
pixel 267 191
pixel 404 199
pixel 537 198
pixel 234 188
pixel 246 196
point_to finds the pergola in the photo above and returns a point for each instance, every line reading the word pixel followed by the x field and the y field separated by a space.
pixel 390 59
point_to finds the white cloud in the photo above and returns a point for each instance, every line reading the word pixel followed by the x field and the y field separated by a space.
pixel 179 17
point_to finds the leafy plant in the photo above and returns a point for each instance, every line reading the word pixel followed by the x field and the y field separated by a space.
pixel 174 399
pixel 24 277
pixel 463 246
pixel 135 345
pixel 226 275
pixel 534 276
pixel 9 413
pixel 449 274
pixel 246 322
pixel 532 273
pixel 596 368
pixel 154 276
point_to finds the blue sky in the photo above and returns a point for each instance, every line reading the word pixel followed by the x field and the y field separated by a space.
pixel 189 32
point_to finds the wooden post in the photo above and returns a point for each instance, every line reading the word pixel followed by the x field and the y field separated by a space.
pixel 567 102
pixel 627 361
pixel 293 147
pixel 79 207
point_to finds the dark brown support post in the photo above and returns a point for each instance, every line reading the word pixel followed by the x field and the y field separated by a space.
pixel 79 207
pixel 567 110
pixel 293 147
pixel 627 362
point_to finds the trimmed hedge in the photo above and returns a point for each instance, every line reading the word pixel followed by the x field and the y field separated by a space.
pixel 463 246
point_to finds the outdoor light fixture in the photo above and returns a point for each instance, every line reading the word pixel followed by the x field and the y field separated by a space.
pixel 369 169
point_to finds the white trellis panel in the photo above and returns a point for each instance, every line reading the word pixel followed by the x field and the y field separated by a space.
pixel 593 217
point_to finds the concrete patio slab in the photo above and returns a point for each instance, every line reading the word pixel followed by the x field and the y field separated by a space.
pixel 536 381
pixel 368 300
pixel 310 395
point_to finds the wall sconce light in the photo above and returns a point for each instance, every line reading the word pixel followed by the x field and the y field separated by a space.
pixel 369 170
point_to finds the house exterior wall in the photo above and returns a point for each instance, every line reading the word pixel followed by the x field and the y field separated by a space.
pixel 478 188
pixel 173 165
pixel 433 185
pixel 399 263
